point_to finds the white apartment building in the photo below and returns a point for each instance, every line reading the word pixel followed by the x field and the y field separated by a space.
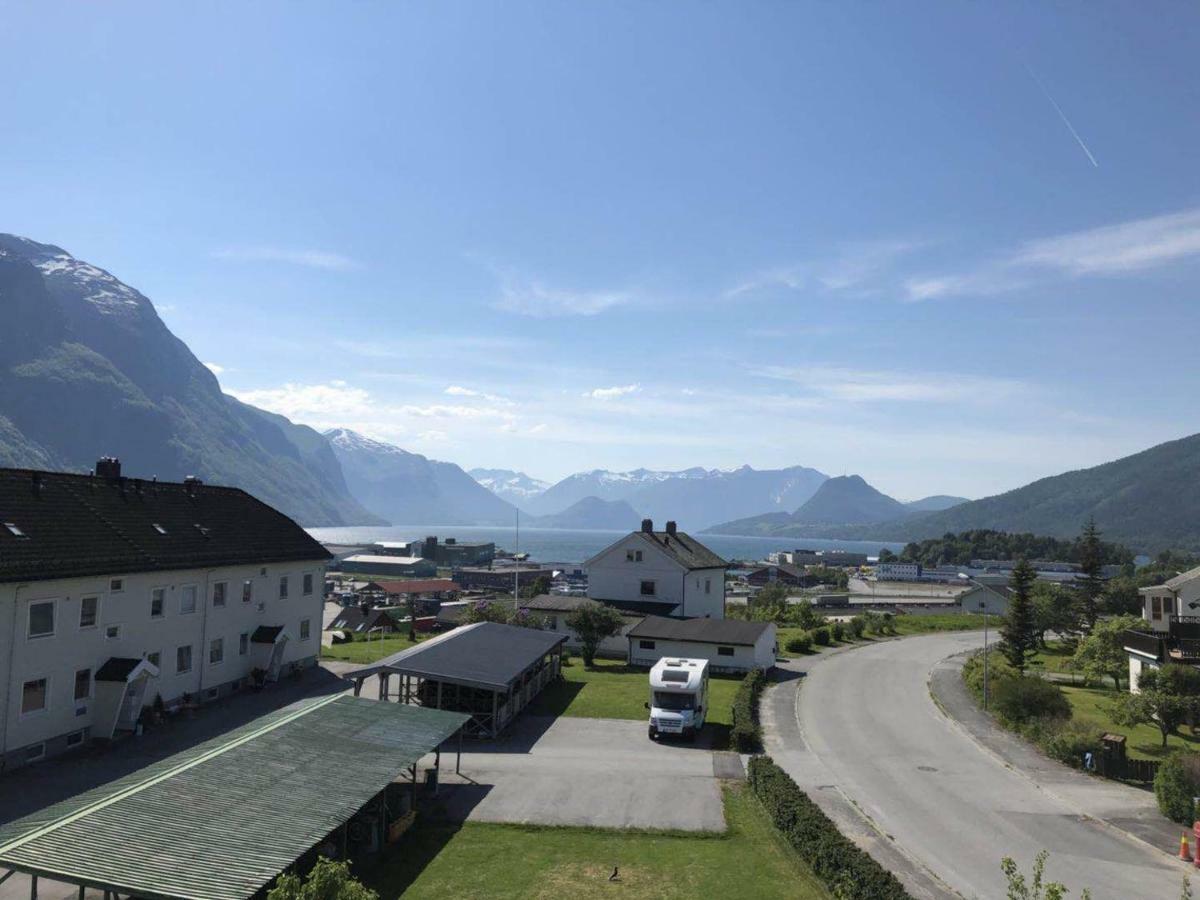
pixel 118 593
pixel 666 573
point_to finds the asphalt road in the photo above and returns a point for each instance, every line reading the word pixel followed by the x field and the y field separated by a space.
pixel 870 741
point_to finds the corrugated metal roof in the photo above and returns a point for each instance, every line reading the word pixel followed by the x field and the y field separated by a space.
pixel 219 821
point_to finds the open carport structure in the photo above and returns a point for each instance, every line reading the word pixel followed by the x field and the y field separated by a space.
pixel 486 670
pixel 220 821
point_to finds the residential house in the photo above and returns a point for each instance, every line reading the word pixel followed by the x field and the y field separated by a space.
pixel 730 645
pixel 667 573
pixel 555 608
pixel 118 592
pixel 989 597
pixel 1171 626
pixel 379 620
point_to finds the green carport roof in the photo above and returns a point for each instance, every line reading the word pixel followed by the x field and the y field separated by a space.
pixel 219 821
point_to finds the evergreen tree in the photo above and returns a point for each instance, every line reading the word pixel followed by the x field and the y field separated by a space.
pixel 1090 584
pixel 1019 633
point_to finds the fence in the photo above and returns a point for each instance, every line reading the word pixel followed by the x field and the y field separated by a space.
pixel 1122 768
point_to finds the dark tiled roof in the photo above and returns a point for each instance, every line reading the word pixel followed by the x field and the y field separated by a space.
pixel 117 668
pixel 708 631
pixel 266 634
pixel 562 603
pixel 684 549
pixel 644 607
pixel 785 568
pixel 485 654
pixel 77 525
pixel 352 618
pixel 417 586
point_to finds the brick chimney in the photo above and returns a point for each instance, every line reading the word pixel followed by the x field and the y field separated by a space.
pixel 671 528
pixel 108 467
pixel 648 525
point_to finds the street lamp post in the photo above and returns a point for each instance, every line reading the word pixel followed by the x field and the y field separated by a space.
pixel 983 609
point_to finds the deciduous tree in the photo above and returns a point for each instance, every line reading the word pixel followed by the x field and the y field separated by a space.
pixel 1102 653
pixel 328 880
pixel 1165 697
pixel 592 623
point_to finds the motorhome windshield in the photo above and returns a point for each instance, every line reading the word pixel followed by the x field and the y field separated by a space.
pixel 670 700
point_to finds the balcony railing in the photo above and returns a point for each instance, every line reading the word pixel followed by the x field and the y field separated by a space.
pixel 1143 642
pixel 1184 627
pixel 1184 650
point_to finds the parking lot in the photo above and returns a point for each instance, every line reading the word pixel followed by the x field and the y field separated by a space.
pixel 600 772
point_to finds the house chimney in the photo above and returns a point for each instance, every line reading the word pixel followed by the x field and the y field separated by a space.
pixel 671 528
pixel 38 484
pixel 648 525
pixel 108 467
pixel 190 483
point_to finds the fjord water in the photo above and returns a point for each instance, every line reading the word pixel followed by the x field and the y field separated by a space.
pixel 571 546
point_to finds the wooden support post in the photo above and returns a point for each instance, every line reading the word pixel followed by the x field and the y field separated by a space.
pixel 357 690
pixel 458 761
pixel 81 890
pixel 439 699
pixel 32 887
pixel 495 696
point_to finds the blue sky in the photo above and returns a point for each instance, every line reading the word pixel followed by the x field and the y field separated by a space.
pixel 950 247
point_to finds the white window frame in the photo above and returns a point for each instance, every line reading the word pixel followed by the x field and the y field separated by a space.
pixel 284 587
pixel 306 624
pixel 183 589
pixel 162 609
pixel 108 635
pixel 116 585
pixel 653 592
pixel 248 590
pixel 216 644
pixel 96 623
pixel 721 650
pixel 307 584
pixel 191 659
pixel 244 643
pixel 223 587
pixel 45 708
pixel 29 620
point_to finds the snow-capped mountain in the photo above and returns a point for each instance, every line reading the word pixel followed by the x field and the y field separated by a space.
pixel 87 368
pixel 515 487
pixel 695 497
pixel 413 489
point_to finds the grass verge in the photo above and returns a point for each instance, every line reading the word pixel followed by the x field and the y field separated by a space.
pixel 477 860
pixel 368 651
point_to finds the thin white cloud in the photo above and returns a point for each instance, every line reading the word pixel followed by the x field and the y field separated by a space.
pixel 530 297
pixel 313 259
pixel 1108 251
pixel 215 368
pixel 449 411
pixel 612 393
pixel 878 386
pixel 310 402
pixel 847 267
pixel 457 390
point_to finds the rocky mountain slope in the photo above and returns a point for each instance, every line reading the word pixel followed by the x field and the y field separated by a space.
pixel 515 487
pixel 695 498
pixel 845 500
pixel 592 513
pixel 87 368
pixel 409 489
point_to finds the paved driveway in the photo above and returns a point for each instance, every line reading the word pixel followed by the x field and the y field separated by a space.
pixel 601 772
pixel 864 735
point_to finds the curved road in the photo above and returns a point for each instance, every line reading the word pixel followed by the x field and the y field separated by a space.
pixel 864 733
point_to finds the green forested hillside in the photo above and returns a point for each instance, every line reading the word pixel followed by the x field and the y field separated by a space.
pixel 1149 501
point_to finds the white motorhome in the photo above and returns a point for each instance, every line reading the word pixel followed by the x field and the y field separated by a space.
pixel 678 697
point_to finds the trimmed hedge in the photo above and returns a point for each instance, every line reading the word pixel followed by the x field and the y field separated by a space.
pixel 821 636
pixel 801 643
pixel 745 735
pixel 849 873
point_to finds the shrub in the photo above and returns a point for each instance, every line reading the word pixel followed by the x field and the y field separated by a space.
pixel 744 733
pixel 1176 783
pixel 821 636
pixel 838 630
pixel 1026 698
pixel 801 643
pixel 858 625
pixel 1065 741
pixel 973 672
pixel 850 873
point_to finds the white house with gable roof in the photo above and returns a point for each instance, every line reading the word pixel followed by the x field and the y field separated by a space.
pixel 664 573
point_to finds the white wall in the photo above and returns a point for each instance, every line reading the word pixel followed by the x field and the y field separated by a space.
pixel 612 576
pixel 59 656
pixel 617 645
pixel 762 654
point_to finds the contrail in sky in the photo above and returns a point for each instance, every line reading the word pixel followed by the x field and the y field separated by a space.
pixel 1062 115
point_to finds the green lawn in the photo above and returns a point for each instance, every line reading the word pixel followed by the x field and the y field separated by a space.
pixel 613 690
pixel 916 623
pixel 1091 706
pixel 367 651
pixel 517 861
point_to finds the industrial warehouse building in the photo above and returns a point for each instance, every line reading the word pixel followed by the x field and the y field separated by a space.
pixel 222 820
pixel 120 593
pixel 729 645
pixel 486 670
